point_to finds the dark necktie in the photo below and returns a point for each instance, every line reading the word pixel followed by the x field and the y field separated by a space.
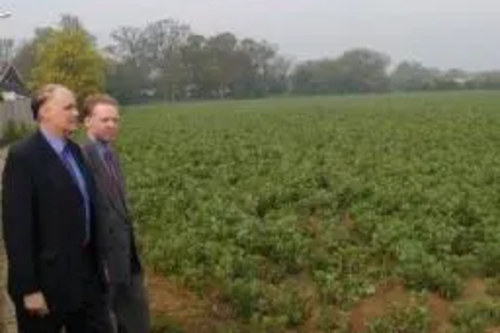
pixel 113 176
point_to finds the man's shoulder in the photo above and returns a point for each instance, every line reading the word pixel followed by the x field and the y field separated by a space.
pixel 23 152
pixel 88 149
pixel 24 146
pixel 86 146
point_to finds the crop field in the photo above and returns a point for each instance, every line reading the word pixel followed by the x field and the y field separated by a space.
pixel 328 214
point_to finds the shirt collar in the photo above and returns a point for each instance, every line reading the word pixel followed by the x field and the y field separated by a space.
pixel 102 146
pixel 57 143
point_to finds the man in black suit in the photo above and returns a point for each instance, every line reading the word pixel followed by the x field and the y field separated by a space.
pixel 55 277
pixel 127 297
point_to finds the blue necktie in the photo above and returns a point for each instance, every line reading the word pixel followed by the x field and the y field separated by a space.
pixel 75 172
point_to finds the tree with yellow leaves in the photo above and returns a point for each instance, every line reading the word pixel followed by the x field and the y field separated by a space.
pixel 68 56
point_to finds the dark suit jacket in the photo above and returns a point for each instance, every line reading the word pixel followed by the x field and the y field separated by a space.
pixel 115 225
pixel 44 224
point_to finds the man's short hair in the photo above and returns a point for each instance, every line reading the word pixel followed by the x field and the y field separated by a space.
pixel 42 95
pixel 96 99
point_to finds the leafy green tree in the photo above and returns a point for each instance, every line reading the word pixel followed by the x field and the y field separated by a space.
pixel 68 55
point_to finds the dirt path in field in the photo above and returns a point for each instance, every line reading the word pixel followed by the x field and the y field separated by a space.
pixel 188 313
pixel 183 309
pixel 389 295
pixel 440 309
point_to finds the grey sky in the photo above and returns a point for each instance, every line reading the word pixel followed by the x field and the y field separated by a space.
pixel 444 33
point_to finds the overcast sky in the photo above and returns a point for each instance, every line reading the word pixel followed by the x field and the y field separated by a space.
pixel 444 33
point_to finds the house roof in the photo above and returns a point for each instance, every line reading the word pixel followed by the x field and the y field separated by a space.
pixel 4 65
pixel 11 79
pixel 4 69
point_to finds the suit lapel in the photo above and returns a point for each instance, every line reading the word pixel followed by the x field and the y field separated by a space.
pixel 102 174
pixel 121 180
pixel 55 165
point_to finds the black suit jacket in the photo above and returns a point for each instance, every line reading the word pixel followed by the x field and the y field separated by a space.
pixel 44 224
pixel 116 231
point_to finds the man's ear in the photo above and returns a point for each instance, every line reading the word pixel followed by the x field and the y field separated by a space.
pixel 86 122
pixel 42 112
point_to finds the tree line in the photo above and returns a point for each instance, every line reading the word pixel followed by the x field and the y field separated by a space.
pixel 167 61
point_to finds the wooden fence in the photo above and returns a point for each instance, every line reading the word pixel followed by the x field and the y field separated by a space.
pixel 17 111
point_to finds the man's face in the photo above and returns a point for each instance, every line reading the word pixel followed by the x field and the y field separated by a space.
pixel 103 122
pixel 60 112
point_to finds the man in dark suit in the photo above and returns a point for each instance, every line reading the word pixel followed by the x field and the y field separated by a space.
pixel 128 297
pixel 54 274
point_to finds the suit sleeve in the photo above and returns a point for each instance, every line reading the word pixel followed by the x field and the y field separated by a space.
pixel 18 223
